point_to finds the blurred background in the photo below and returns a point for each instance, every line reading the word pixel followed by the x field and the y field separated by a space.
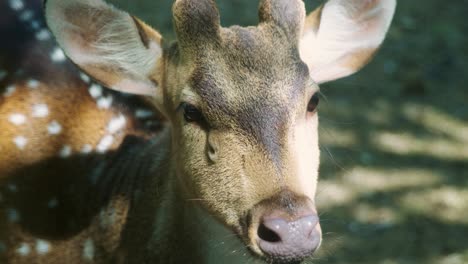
pixel 394 137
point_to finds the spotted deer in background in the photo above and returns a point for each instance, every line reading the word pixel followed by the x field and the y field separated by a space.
pixel 91 175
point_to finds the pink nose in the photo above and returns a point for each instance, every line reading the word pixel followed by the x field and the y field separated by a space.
pixel 285 241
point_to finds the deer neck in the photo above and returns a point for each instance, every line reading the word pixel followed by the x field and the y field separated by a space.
pixel 173 227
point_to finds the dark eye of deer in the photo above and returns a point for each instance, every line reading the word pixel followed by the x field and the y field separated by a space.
pixel 313 103
pixel 191 113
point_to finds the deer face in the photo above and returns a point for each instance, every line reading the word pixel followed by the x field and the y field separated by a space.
pixel 245 126
pixel 241 101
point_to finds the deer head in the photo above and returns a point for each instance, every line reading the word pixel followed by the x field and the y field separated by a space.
pixel 241 101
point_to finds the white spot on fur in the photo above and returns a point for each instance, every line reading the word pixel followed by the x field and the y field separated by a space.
pixel 24 249
pixel 116 124
pixel 12 187
pixel 54 128
pixel 105 143
pixel 26 15
pixel 85 77
pixel 16 4
pixel 53 203
pixel 105 102
pixel 33 83
pixel 20 142
pixel 86 149
pixel 43 34
pixel 88 249
pixel 57 55
pixel 65 152
pixel 40 110
pixel 143 113
pixel 42 247
pixel 3 74
pixel 13 215
pixel 95 90
pixel 9 90
pixel 17 119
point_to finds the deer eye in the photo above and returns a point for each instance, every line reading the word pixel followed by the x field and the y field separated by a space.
pixel 313 103
pixel 191 113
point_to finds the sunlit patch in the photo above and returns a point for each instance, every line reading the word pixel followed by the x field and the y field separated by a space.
pixel 380 217
pixel 331 194
pixel 445 203
pixel 407 144
pixel 337 137
pixel 454 146
pixel 364 180
pixel 437 121
pixel 454 258
pixel 374 179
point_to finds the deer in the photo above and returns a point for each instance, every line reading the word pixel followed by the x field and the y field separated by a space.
pixel 119 147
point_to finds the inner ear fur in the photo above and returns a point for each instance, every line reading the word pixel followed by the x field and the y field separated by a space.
pixel 115 48
pixel 341 36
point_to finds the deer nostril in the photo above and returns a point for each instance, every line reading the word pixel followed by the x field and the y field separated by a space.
pixel 267 234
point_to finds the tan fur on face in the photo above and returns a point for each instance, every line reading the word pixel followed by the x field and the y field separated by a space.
pixel 252 112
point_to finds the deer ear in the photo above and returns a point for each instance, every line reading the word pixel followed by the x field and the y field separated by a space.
pixel 341 36
pixel 115 48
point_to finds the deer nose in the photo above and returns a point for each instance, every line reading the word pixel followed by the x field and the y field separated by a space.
pixel 285 241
